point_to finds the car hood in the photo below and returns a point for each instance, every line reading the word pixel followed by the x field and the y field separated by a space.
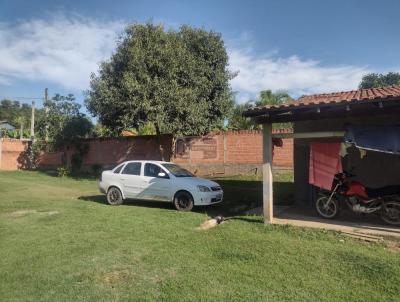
pixel 195 181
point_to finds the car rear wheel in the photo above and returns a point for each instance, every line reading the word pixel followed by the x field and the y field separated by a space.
pixel 114 196
pixel 183 201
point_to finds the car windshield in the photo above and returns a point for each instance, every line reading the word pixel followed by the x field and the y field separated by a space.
pixel 177 171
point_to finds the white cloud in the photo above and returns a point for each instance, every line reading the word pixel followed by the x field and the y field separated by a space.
pixel 63 49
pixel 66 49
pixel 291 74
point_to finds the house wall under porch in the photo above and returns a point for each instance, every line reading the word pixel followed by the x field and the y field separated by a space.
pixel 374 170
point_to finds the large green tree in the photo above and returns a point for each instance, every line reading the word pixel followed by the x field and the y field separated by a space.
pixel 65 127
pixel 64 124
pixel 374 80
pixel 177 81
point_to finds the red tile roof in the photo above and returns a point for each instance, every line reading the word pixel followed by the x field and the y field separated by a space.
pixel 351 96
pixel 338 97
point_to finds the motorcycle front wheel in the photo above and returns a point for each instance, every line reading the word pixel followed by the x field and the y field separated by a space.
pixel 390 212
pixel 327 208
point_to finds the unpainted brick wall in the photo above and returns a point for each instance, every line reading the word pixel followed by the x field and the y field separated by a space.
pixel 230 152
pixel 12 154
pixel 241 147
pixel 109 152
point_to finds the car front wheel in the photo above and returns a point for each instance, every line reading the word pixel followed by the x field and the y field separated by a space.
pixel 114 196
pixel 183 201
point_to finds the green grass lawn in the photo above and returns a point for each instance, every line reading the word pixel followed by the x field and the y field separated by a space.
pixel 60 242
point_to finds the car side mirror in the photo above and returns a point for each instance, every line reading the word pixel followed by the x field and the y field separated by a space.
pixel 161 174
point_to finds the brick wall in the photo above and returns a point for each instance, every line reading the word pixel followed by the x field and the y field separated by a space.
pixel 109 152
pixel 231 152
pixel 13 154
pixel 283 156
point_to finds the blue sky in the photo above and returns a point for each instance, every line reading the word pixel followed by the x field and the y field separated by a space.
pixel 302 47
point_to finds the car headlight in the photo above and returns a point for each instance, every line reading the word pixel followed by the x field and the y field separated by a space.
pixel 203 189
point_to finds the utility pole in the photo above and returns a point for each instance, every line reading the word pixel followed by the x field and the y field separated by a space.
pixel 46 113
pixel 33 121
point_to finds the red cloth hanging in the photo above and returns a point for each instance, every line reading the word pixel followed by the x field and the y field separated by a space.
pixel 325 162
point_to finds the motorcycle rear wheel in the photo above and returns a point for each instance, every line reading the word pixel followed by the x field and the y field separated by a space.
pixel 390 212
pixel 327 208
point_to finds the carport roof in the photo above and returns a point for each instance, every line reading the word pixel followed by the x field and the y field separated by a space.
pixel 317 106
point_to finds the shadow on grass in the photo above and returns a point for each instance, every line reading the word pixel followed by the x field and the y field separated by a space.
pixel 101 199
pixel 252 219
pixel 76 176
pixel 239 197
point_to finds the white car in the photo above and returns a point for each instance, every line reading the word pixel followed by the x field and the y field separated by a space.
pixel 160 181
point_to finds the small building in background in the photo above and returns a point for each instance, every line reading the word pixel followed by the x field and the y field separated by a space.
pixel 4 125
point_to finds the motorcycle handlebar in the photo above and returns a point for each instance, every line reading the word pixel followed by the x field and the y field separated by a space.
pixel 343 175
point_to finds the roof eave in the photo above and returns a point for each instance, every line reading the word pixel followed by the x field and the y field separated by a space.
pixel 328 111
pixel 256 112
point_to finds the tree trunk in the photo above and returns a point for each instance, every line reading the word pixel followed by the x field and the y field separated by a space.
pixel 158 134
pixel 64 158
pixel 173 153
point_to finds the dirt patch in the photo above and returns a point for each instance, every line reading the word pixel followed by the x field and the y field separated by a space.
pixel 157 279
pixel 115 277
pixel 393 246
pixel 23 213
pixel 50 213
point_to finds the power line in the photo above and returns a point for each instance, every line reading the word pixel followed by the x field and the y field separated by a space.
pixel 21 97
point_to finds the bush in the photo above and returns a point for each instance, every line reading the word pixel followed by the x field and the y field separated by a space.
pixel 62 171
pixel 96 169
pixel 76 162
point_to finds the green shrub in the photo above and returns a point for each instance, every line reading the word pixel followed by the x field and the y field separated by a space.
pixel 76 162
pixel 62 171
pixel 96 169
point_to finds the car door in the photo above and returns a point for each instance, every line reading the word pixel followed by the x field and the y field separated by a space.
pixel 131 179
pixel 155 187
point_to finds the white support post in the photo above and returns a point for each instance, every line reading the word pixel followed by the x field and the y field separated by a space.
pixel 1 148
pixel 267 174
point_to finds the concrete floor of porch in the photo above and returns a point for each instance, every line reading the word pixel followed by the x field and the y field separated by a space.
pixel 347 222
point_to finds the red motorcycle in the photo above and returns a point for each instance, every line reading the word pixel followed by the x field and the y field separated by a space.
pixel 383 201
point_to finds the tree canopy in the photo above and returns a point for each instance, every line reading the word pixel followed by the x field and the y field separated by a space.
pixel 238 122
pixel 374 80
pixel 266 97
pixel 178 81
pixel 17 114
pixel 65 123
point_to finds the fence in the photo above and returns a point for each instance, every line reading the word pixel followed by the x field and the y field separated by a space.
pixel 13 155
pixel 108 152
pixel 229 152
